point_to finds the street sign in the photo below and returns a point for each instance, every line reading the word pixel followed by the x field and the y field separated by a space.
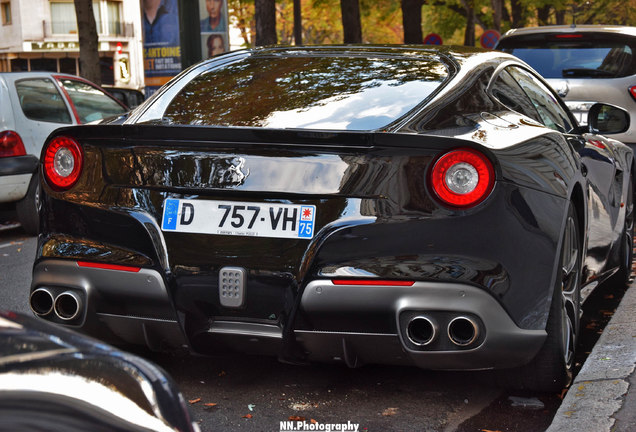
pixel 433 39
pixel 489 38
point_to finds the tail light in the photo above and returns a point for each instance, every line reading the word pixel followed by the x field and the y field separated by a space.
pixel 11 144
pixel 632 91
pixel 63 162
pixel 462 178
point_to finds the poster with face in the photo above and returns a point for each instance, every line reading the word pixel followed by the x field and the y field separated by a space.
pixel 212 44
pixel 214 27
pixel 162 45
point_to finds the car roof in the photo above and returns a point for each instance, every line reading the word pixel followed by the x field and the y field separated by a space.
pixel 14 76
pixel 584 28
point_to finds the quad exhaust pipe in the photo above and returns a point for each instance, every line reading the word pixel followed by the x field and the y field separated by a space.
pixel 421 330
pixel 66 306
pixel 41 301
pixel 462 331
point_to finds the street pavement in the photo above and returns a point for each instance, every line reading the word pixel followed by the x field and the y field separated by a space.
pixel 603 397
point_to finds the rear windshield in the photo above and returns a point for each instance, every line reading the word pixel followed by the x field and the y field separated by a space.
pixel 574 55
pixel 335 93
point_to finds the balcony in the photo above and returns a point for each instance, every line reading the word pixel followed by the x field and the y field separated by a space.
pixel 55 28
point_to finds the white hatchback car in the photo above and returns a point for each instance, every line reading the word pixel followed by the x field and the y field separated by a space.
pixel 585 64
pixel 32 105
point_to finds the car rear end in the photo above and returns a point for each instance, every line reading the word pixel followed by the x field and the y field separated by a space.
pixel 584 64
pixel 302 242
pixel 16 165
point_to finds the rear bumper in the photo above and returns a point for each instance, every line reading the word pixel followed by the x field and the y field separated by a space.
pixel 15 175
pixel 135 307
pixel 499 342
pixel 116 306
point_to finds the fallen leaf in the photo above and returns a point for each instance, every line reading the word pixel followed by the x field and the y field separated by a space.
pixel 193 401
pixel 609 296
pixel 488 430
pixel 563 393
pixel 248 416
pixel 296 418
pixel 210 404
pixel 390 412
pixel 312 421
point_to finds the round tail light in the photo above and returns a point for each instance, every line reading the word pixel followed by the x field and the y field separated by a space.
pixel 63 162
pixel 462 178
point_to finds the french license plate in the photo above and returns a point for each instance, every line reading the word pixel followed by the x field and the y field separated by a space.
pixel 239 218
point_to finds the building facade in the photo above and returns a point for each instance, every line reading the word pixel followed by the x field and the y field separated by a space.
pixel 42 35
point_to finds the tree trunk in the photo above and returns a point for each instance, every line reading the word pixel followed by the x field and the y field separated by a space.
pixel 517 14
pixel 298 24
pixel 497 6
pixel 412 21
pixel 469 34
pixel 351 21
pixel 87 32
pixel 265 17
pixel 543 14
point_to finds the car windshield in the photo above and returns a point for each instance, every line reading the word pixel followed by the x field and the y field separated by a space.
pixel 308 92
pixel 576 56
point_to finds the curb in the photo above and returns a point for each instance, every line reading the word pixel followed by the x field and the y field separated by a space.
pixel 599 390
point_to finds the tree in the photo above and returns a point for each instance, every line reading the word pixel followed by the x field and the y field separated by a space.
pixel 298 24
pixel 265 17
pixel 412 21
pixel 351 21
pixel 87 32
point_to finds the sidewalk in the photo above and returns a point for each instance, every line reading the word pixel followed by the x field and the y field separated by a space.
pixel 603 395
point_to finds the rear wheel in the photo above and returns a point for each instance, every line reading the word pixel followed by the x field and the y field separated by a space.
pixel 551 369
pixel 28 208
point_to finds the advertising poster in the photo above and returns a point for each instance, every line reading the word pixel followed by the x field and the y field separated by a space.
pixel 162 47
pixel 214 27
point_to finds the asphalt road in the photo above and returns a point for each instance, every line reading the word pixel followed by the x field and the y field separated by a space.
pixel 245 393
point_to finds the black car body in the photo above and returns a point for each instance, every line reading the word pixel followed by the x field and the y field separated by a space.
pixel 53 379
pixel 399 205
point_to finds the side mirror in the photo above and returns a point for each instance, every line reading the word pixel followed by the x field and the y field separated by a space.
pixel 607 119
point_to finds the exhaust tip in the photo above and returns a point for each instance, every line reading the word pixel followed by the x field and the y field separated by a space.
pixel 67 305
pixel 41 301
pixel 421 331
pixel 463 331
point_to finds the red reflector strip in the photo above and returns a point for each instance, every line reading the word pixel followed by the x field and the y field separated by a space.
pixel 632 91
pixel 372 282
pixel 569 36
pixel 108 266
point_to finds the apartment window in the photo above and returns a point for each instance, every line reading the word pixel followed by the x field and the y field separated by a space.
pixel 63 19
pixel 6 12
pixel 113 16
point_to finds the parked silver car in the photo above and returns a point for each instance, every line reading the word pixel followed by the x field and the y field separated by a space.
pixel 584 64
pixel 32 105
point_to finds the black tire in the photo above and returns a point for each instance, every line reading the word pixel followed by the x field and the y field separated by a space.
pixel 551 369
pixel 621 278
pixel 28 208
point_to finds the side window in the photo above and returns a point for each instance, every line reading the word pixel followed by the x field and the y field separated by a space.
pixel 40 100
pixel 551 113
pixel 508 92
pixel 90 102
